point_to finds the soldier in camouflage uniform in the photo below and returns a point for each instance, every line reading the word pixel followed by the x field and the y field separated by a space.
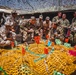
pixel 73 32
pixel 46 26
pixel 56 30
pixel 31 28
pixel 57 18
pixel 65 24
pixel 40 25
pixel 74 19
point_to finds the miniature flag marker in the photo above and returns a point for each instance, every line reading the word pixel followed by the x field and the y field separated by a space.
pixel 12 44
pixel 53 44
pixel 45 50
pixel 49 43
pixel 58 42
pixel 57 73
pixel 47 36
pixel 67 44
pixel 23 51
pixel 37 40
pixel 1 69
pixel 66 40
pixel 72 52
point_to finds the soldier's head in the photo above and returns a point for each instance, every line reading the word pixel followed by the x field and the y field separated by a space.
pixel 74 14
pixel 23 17
pixel 59 14
pixel 40 17
pixel 47 19
pixel 33 18
pixel 14 13
pixel 64 16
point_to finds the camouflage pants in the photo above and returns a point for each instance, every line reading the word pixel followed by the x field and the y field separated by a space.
pixel 73 38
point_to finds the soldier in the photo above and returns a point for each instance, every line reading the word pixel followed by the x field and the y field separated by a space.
pixel 40 25
pixel 31 28
pixel 64 23
pixel 73 32
pixel 32 21
pixel 46 26
pixel 13 17
pixel 74 19
pixel 57 18
pixel 40 22
pixel 22 21
pixel 56 24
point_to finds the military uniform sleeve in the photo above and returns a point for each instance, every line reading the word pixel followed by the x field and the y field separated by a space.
pixel 54 19
pixel 72 20
pixel 68 23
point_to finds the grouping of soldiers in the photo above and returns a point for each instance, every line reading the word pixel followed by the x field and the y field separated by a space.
pixel 23 30
pixel 59 27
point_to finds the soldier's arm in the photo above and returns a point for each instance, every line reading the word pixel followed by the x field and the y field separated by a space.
pixel 73 20
pixel 40 27
pixel 54 19
pixel 68 23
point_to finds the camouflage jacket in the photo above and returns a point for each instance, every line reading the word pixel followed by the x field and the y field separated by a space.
pixel 73 20
pixel 56 19
pixel 64 22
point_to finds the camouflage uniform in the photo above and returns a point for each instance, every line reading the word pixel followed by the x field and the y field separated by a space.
pixel 73 32
pixel 39 24
pixel 74 20
pixel 56 20
pixel 46 27
pixel 59 29
pixel 64 24
pixel 57 33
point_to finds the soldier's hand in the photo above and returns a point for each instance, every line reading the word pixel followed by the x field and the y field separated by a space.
pixel 58 21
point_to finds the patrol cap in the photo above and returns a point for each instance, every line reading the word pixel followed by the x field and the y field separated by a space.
pixel 47 18
pixel 41 17
pixel 32 17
